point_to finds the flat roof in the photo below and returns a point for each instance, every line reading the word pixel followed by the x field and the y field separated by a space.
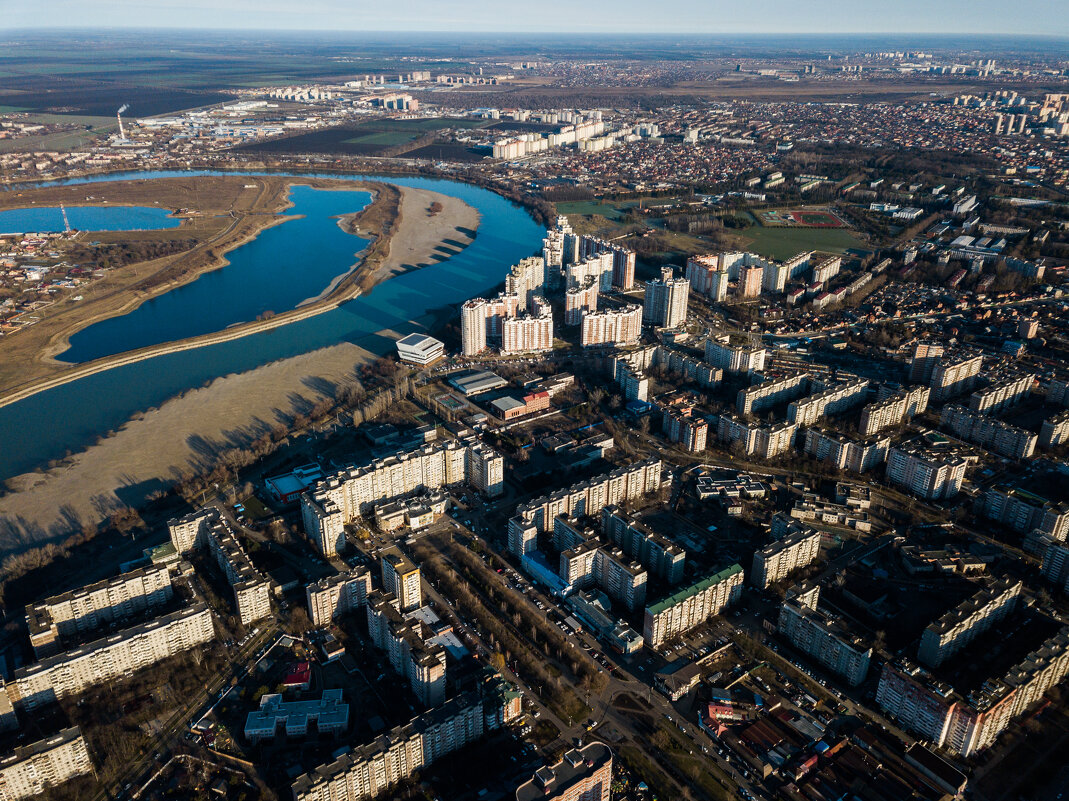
pixel 693 589
pixel 474 382
pixel 576 765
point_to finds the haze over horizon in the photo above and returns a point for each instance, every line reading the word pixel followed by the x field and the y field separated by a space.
pixel 1027 17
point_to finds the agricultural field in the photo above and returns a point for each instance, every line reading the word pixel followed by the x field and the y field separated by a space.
pixel 364 139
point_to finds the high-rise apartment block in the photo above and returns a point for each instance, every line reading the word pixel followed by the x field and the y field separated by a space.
pixel 834 398
pixel 622 259
pixel 750 280
pixel 735 358
pixel 892 410
pixel 1055 431
pixel 755 439
pixel 590 563
pixel 622 326
pixel 583 499
pixel 989 432
pixel 367 771
pixel 343 496
pixel 658 554
pixel 483 321
pixel 252 590
pixel 1025 512
pixel 822 636
pixel 824 267
pixel 526 280
pixel 107 659
pixel 922 363
pixel 765 394
pixel 845 453
pixel 665 304
pixel 634 384
pixel 580 301
pixel 408 643
pixel 1001 395
pixel 964 726
pixel 923 472
pixel 775 562
pixel 691 606
pixel 31 769
pixel 708 277
pixel 583 774
pixel 334 596
pixel 968 620
pixel 401 578
pixel 83 610
pixel 955 375
pixel 529 333
pixel 1056 565
pixel 686 429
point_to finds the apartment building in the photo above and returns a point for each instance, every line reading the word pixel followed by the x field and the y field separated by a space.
pixel 988 432
pixel 707 277
pixel 1001 395
pixel 586 498
pixel 1025 512
pixel 665 303
pixel 623 259
pixel 401 578
pixel 778 560
pixel 634 384
pixel 1056 565
pixel 583 774
pixel 762 441
pixel 207 528
pixel 968 620
pixel 922 363
pixel 615 327
pixel 72 672
pixel 964 726
pixel 580 301
pixel 686 429
pixel 526 280
pixel 698 371
pixel 593 564
pixel 765 394
pixel 822 636
pixel 735 358
pixel 529 333
pixel 833 399
pixel 595 267
pixel 824 267
pixel 954 375
pixel 691 606
pixel 845 453
pixel 343 496
pixel 893 410
pixel 408 643
pixel 658 554
pixel 366 771
pixel 337 595
pixel 923 472
pixel 482 321
pixel 1055 431
pixel 74 613
pixel 29 770
pixel 1058 391
pixel 751 279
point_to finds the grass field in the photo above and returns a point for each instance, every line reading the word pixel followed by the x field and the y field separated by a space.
pixel 385 138
pixel 782 243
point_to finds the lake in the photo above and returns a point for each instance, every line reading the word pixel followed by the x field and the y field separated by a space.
pixel 283 266
pixel 49 219
pixel 71 416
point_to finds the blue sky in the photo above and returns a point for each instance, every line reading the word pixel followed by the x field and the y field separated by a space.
pixel 578 16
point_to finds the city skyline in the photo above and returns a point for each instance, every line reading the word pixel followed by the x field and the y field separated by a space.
pixel 777 17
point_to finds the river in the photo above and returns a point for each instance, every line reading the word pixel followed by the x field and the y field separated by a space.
pixel 72 416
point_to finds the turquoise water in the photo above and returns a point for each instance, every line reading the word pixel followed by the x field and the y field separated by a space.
pixel 87 218
pixel 70 417
pixel 284 265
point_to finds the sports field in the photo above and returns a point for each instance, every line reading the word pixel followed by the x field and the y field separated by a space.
pixel 801 218
pixel 782 243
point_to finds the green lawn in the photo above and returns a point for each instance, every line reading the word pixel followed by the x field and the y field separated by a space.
pixel 782 243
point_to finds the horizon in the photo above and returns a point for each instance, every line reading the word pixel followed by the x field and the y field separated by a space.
pixel 1040 18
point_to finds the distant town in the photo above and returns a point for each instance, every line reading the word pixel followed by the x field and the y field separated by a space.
pixel 748 483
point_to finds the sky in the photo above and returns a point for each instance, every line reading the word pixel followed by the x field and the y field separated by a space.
pixel 1046 17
